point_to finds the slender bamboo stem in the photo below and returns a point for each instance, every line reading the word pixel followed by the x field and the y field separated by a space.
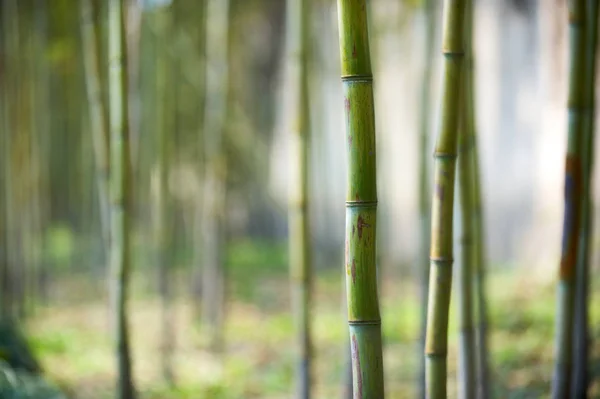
pixel 440 281
pixel 299 227
pixel 215 190
pixel 97 113
pixel 361 202
pixel 581 336
pixel 119 190
pixel 424 180
pixel 479 266
pixel 561 384
pixel 466 355
pixel 164 115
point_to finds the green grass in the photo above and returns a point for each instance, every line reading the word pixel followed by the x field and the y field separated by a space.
pixel 71 337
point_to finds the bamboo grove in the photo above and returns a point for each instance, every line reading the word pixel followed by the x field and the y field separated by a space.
pixel 185 182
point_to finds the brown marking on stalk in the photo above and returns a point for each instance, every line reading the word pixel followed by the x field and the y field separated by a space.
pixel 360 224
pixel 354 50
pixel 357 197
pixel 439 189
pixel 347 251
pixel 353 271
pixel 573 188
pixel 356 363
pixel 353 230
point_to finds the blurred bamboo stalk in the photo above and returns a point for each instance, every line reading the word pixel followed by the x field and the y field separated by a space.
pixel 561 383
pixel 429 7
pixel 479 253
pixel 91 44
pixel 581 344
pixel 441 256
pixel 215 178
pixel 299 206
pixel 120 201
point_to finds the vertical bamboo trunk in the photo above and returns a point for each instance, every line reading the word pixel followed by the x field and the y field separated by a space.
pixel 120 184
pixel 424 190
pixel 361 202
pixel 213 278
pixel 581 336
pixel 299 226
pixel 96 108
pixel 441 256
pixel 466 349
pixel 10 98
pixel 164 113
pixel 561 384
pixel 479 265
pixel 196 277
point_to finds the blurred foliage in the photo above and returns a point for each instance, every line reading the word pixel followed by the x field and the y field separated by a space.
pixel 19 370
pixel 23 385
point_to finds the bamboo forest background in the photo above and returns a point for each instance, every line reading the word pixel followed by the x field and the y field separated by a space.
pixel 199 200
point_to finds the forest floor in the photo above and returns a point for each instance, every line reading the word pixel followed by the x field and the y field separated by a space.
pixel 71 336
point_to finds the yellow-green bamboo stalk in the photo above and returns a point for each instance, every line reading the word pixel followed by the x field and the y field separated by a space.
pixel 441 257
pixel 164 108
pixel 120 183
pixel 97 113
pixel 299 227
pixel 466 349
pixel 561 384
pixel 581 336
pixel 215 187
pixel 424 179
pixel 361 202
pixel 479 265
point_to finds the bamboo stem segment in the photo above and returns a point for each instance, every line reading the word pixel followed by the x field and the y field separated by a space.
pixel 424 182
pixel 97 111
pixel 581 317
pixel 479 265
pixel 361 202
pixel 441 256
pixel 119 192
pixel 561 385
pixel 299 227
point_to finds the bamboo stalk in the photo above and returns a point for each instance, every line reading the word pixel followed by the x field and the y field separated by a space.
pixel 215 190
pixel 466 354
pixel 561 384
pixel 361 202
pixel 97 113
pixel 299 227
pixel 479 267
pixel 440 281
pixel 424 181
pixel 164 114
pixel 120 203
pixel 581 336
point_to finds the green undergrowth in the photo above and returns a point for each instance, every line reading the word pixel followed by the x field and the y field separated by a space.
pixel 73 342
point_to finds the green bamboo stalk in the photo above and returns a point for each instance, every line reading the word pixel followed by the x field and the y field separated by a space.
pixel 299 227
pixel 424 180
pixel 120 201
pixel 164 115
pixel 466 354
pixel 561 384
pixel 10 25
pixel 581 337
pixel 215 189
pixel 364 319
pixel 479 266
pixel 97 113
pixel 440 281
